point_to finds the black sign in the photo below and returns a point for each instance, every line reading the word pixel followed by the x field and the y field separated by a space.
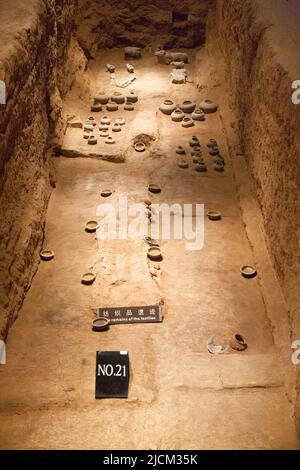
pixel 149 314
pixel 112 374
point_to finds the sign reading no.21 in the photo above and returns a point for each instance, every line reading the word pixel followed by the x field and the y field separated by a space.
pixel 112 374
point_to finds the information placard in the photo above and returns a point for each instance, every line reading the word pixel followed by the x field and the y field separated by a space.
pixel 148 314
pixel 112 374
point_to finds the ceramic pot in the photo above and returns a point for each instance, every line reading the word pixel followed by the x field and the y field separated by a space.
pixel 208 106
pixel 92 139
pixel 101 98
pixel 187 106
pixel 110 140
pixel 105 120
pixel 96 108
pixel 198 115
pixel 187 122
pixel 128 106
pixel 177 115
pixel 180 151
pixel 112 106
pixel 183 164
pixel 116 128
pixel 167 107
pixel 201 168
pixel 132 97
pixel 194 142
pixel 117 97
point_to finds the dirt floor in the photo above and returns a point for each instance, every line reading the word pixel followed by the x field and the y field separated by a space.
pixel 180 395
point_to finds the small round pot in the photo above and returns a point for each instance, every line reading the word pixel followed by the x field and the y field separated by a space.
pixel 187 122
pixel 47 255
pixel 116 127
pixel 208 106
pixel 154 253
pixel 187 106
pixel 91 121
pixel 88 128
pixel 132 97
pixel 121 121
pixel 92 140
pixel 101 98
pixel 214 151
pixel 238 343
pixel 198 115
pixel 194 142
pixel 201 168
pixel 128 106
pixel 106 193
pixel 110 140
pixel 103 128
pixel 196 151
pixel 153 188
pixel 198 160
pixel 167 107
pixel 105 120
pixel 117 97
pixel 88 279
pixel 183 164
pixel 100 324
pixel 219 167
pixel 248 272
pixel 104 134
pixel 112 106
pixel 214 215
pixel 96 108
pixel 91 226
pixel 139 147
pixel 180 151
pixel 212 143
pixel 177 115
pixel 86 134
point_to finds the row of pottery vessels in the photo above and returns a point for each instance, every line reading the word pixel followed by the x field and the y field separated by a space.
pixel 179 112
pixel 113 101
pixel 197 156
pixel 90 126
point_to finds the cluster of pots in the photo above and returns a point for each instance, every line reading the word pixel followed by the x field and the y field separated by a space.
pixel 196 153
pixel 179 112
pixel 197 156
pixel 218 159
pixel 113 101
pixel 90 126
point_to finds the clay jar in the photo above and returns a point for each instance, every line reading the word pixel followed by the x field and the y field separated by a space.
pixel 101 98
pixel 177 115
pixel 132 97
pixel 208 106
pixel 187 122
pixel 194 142
pixel 128 106
pixel 105 120
pixel 96 108
pixel 167 107
pixel 117 97
pixel 198 115
pixel 116 128
pixel 112 106
pixel 187 106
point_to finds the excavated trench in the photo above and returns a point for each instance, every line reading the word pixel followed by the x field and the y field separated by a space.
pixel 53 59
